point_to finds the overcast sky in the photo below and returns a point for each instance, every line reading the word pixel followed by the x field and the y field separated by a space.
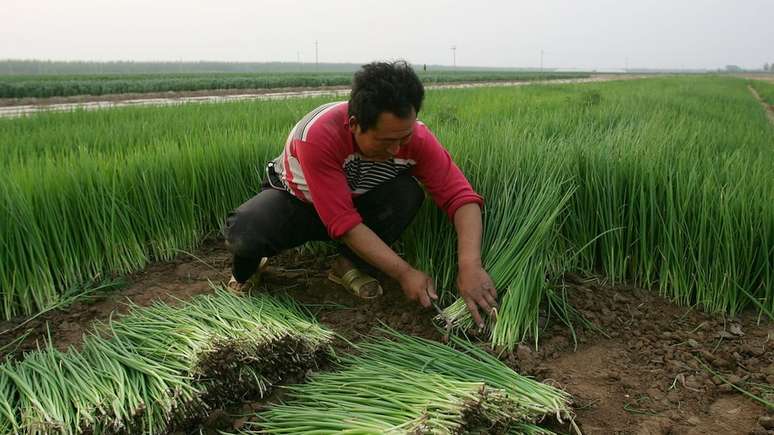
pixel 573 33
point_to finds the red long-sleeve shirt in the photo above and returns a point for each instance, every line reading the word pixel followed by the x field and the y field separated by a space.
pixel 321 164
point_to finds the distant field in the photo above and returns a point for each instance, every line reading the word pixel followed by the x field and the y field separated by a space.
pixel 72 85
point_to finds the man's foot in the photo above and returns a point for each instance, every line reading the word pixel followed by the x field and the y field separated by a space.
pixel 243 288
pixel 357 282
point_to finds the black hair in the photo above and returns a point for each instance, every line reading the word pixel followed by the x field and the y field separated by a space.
pixel 384 87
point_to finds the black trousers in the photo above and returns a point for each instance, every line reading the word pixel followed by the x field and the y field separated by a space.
pixel 274 220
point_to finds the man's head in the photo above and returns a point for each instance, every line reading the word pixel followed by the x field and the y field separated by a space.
pixel 383 107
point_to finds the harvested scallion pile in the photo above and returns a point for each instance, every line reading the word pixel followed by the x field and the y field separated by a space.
pixel 381 398
pixel 406 385
pixel 161 366
pixel 465 362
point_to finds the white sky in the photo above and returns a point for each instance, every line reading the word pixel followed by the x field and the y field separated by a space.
pixel 573 33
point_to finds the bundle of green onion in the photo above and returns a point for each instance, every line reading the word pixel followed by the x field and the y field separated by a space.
pixel 465 362
pixel 380 398
pixel 160 367
pixel 521 222
pixel 410 385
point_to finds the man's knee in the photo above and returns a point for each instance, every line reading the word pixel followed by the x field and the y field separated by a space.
pixel 236 233
pixel 271 221
pixel 246 227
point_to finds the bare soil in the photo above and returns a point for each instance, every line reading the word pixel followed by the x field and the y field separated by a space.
pixel 769 77
pixel 642 374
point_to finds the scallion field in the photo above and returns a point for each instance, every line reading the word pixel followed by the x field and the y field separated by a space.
pixel 629 229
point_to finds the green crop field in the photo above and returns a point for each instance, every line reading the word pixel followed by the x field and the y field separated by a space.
pixel 660 182
pixel 26 86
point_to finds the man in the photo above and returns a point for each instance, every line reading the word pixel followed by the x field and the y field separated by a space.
pixel 349 172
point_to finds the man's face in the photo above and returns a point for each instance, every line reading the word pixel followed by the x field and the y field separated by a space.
pixel 383 141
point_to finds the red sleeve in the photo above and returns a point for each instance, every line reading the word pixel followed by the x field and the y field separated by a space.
pixel 441 177
pixel 328 186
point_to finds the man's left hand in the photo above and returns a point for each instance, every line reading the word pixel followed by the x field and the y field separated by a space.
pixel 478 291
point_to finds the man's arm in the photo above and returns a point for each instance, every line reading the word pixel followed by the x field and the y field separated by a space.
pixel 474 283
pixel 452 192
pixel 417 285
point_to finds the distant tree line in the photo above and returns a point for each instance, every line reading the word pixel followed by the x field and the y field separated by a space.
pixel 50 67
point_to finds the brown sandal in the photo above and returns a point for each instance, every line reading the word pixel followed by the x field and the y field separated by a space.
pixel 355 282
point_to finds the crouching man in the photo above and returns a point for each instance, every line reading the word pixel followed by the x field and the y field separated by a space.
pixel 351 172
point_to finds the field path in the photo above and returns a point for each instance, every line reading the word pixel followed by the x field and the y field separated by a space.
pixel 768 108
pixel 104 102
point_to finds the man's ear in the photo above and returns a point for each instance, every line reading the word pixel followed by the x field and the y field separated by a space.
pixel 353 124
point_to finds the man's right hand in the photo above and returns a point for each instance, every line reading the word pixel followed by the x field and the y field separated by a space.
pixel 418 286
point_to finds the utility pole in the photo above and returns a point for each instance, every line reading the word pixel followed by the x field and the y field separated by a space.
pixel 316 58
pixel 541 61
pixel 454 55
